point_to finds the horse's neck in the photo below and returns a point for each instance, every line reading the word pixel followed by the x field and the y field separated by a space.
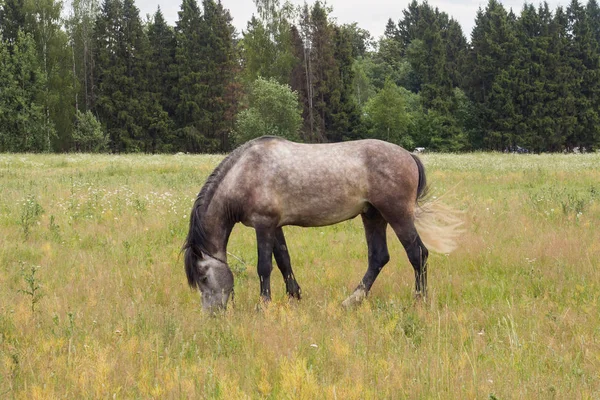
pixel 217 228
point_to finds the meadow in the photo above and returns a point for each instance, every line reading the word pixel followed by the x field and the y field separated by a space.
pixel 94 301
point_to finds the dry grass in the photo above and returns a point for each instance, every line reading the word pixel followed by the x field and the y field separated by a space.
pixel 513 312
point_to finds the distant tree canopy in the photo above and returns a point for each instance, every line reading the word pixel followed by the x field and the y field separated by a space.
pixel 273 109
pixel 106 80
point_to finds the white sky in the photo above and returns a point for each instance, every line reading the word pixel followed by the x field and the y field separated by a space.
pixel 371 15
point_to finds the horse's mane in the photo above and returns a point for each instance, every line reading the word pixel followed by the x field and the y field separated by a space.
pixel 194 244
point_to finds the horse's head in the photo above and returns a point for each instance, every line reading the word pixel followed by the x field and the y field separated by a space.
pixel 215 281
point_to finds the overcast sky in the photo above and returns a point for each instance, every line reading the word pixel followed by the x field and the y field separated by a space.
pixel 371 15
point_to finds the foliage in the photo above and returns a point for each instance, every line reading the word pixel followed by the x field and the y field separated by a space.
pixel 31 212
pixel 267 43
pixel 88 135
pixel 387 116
pixel 205 62
pixel 22 121
pixel 527 79
pixel 44 22
pixel 272 110
pixel 33 287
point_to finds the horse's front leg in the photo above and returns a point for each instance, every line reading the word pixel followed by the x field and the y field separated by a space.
pixel 265 238
pixel 282 257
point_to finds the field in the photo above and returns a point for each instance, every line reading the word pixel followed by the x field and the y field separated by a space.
pixel 94 302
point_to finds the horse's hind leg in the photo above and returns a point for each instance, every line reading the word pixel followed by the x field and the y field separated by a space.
pixel 282 257
pixel 375 231
pixel 265 238
pixel 416 251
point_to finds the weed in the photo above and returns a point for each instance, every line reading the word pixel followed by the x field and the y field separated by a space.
pixel 139 205
pixel 32 287
pixel 54 229
pixel 31 211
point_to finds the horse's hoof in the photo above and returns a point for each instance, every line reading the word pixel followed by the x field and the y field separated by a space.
pixel 293 290
pixel 355 298
pixel 294 296
pixel 263 303
pixel 420 296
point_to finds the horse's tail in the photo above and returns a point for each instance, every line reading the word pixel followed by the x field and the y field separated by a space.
pixel 191 248
pixel 437 224
pixel 422 185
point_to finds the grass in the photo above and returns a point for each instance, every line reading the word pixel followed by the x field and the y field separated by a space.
pixel 513 313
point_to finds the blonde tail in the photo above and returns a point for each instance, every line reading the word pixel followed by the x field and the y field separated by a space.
pixel 438 225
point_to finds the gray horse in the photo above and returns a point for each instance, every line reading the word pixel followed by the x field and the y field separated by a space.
pixel 270 182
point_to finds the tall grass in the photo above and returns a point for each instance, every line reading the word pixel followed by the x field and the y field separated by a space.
pixel 513 313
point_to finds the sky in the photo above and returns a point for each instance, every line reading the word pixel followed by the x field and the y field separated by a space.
pixel 371 15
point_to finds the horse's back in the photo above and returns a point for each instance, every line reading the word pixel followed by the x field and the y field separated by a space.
pixel 319 184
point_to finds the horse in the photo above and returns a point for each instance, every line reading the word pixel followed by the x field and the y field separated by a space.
pixel 270 182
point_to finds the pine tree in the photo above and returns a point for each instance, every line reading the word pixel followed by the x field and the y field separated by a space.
pixel 456 47
pixel 493 45
pixel 585 62
pixel 220 102
pixel 324 68
pixel 190 117
pixel 111 84
pixel 12 20
pixel 161 78
pixel 22 80
pixel 300 82
pixel 345 114
pixel 391 30
pixel 593 13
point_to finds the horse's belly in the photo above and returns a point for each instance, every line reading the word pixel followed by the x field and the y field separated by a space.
pixel 315 214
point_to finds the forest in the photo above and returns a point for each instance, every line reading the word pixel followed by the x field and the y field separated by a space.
pixel 97 77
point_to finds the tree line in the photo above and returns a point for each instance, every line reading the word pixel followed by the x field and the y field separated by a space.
pixel 105 79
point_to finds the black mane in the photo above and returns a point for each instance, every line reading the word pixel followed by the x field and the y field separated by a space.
pixel 194 244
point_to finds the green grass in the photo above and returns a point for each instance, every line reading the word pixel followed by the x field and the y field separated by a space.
pixel 513 313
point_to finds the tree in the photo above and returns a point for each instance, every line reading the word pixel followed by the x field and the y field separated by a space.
pixel 561 104
pixel 141 108
pixel 80 27
pixel 585 62
pixel 162 80
pixel 267 43
pixel 220 67
pixel 45 24
pixel 493 45
pixel 326 76
pixel 88 135
pixel 21 99
pixel 386 116
pixel 110 80
pixel 12 20
pixel 323 68
pixel 273 110
pixel 188 57
pixel 360 39
pixel 345 116
pixel 301 82
pixel 362 85
pixel 593 14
